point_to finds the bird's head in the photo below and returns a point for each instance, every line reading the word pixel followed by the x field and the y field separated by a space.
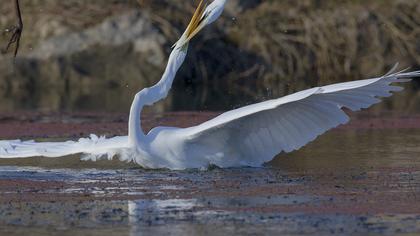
pixel 204 14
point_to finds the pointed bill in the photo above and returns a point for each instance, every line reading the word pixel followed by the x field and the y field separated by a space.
pixel 195 25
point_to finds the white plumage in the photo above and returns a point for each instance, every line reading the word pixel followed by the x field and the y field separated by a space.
pixel 248 136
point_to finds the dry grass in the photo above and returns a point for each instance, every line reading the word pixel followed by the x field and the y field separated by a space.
pixel 322 39
pixel 307 43
pixel 46 18
pixel 293 44
pixel 318 45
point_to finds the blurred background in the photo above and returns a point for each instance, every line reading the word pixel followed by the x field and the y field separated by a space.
pixel 93 55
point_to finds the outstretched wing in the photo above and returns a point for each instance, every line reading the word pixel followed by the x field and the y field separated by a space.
pixel 254 134
pixel 95 147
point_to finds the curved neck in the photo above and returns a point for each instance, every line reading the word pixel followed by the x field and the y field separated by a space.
pixel 149 96
pixel 136 135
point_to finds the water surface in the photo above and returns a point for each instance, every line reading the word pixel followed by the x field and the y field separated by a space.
pixel 351 181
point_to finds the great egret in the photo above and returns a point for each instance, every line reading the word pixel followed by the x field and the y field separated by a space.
pixel 248 136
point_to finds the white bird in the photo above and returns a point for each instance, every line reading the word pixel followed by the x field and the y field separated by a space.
pixel 203 16
pixel 248 136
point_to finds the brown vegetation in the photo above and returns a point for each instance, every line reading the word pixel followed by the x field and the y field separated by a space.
pixel 277 47
pixel 318 44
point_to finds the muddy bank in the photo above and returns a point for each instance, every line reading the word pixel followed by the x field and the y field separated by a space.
pixel 237 201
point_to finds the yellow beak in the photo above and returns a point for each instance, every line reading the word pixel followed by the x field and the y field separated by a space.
pixel 195 25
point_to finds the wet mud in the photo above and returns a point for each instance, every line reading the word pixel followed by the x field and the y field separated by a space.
pixel 363 178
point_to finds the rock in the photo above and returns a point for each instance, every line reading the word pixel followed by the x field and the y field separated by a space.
pixel 133 28
pixel 124 53
pixel 108 63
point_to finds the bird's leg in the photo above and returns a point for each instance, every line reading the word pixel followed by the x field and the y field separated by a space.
pixel 15 30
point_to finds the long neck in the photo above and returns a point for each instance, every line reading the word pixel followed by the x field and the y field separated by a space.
pixel 136 135
pixel 149 96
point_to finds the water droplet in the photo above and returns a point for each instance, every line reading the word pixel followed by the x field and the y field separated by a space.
pixel 126 85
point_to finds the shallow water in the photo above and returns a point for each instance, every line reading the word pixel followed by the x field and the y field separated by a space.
pixel 348 181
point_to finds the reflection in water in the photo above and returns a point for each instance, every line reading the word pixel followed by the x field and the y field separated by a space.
pixel 105 99
pixel 198 209
pixel 364 181
pixel 160 211
pixel 355 149
pixel 184 217
pixel 196 96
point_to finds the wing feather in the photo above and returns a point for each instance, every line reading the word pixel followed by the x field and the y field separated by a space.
pixel 94 146
pixel 254 134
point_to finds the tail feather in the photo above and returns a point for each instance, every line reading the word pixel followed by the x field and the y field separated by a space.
pixel 94 145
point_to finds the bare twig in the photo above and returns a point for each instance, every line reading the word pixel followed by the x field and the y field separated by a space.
pixel 16 31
